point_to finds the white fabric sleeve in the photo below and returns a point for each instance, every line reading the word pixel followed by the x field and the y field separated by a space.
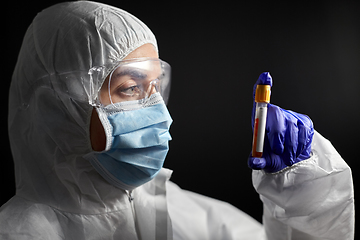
pixel 195 216
pixel 313 199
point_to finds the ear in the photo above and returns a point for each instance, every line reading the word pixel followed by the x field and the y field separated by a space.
pixel 97 133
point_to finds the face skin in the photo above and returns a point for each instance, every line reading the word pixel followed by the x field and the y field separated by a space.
pixel 97 133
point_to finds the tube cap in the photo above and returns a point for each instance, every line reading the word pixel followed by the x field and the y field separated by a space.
pixel 262 93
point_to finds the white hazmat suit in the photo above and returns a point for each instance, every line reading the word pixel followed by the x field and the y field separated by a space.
pixel 59 195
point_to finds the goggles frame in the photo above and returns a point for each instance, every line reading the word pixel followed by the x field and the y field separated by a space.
pixel 104 75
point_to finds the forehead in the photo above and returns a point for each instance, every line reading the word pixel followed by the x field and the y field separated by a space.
pixel 145 51
pixel 148 67
pixel 143 65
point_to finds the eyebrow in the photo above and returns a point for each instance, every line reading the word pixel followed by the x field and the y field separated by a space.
pixel 132 73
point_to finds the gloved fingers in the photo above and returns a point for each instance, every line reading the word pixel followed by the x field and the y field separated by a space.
pixel 276 128
pixel 291 139
pixel 304 119
pixel 274 163
pixel 269 162
pixel 305 131
pixel 256 163
pixel 303 135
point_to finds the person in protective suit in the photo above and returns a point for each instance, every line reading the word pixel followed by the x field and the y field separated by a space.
pixel 89 132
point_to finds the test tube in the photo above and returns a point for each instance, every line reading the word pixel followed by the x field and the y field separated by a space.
pixel 262 98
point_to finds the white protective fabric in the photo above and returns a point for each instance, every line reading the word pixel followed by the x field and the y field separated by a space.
pixel 313 199
pixel 59 195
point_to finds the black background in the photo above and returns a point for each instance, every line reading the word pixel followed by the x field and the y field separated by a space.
pixel 217 51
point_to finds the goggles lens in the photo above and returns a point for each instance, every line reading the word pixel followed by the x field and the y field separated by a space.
pixel 136 79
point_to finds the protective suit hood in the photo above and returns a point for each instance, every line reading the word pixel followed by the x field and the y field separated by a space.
pixel 49 110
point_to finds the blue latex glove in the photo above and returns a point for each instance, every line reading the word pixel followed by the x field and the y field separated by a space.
pixel 288 136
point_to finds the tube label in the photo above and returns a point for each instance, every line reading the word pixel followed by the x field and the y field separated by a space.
pixel 261 114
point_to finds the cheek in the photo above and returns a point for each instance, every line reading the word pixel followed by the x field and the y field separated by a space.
pixel 104 97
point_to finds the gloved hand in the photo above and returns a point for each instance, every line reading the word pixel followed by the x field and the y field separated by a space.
pixel 288 136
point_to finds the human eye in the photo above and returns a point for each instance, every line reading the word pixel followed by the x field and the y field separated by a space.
pixel 130 91
pixel 127 84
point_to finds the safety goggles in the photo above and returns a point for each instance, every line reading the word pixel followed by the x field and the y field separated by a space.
pixel 132 81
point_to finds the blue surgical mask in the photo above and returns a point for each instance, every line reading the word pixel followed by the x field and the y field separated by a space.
pixel 137 142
